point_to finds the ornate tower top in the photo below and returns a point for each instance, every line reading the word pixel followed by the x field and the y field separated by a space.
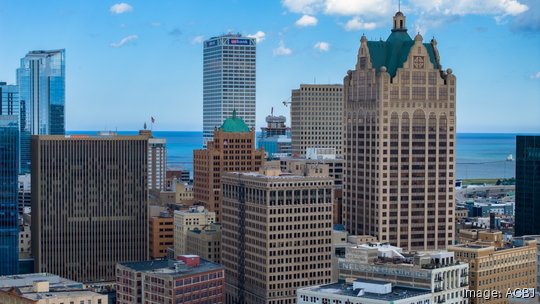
pixel 399 22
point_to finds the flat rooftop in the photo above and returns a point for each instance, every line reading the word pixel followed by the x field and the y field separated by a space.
pixel 21 280
pixel 166 267
pixel 342 288
pixel 28 293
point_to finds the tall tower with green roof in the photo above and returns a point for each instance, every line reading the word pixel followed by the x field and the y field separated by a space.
pixel 399 142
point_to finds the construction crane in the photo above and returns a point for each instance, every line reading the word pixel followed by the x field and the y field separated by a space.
pixel 286 102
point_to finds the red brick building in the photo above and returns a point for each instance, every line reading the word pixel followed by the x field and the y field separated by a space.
pixel 188 279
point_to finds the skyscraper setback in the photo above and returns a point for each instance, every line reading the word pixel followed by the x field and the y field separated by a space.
pixel 41 81
pixel 400 142
pixel 89 204
pixel 228 81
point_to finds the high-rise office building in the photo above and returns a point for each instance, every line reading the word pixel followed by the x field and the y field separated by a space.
pixel 317 118
pixel 157 161
pixel 400 142
pixel 275 138
pixel 527 185
pixel 9 186
pixel 197 217
pixel 89 204
pixel 228 81
pixel 232 150
pixel 276 234
pixel 41 80
pixel 9 99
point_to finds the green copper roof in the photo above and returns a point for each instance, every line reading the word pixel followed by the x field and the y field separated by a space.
pixel 393 52
pixel 234 124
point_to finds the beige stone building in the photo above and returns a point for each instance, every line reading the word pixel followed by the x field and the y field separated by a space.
pixel 89 204
pixel 40 293
pixel 232 150
pixel 498 267
pixel 317 118
pixel 276 234
pixel 399 143
pixel 205 242
pixel 197 217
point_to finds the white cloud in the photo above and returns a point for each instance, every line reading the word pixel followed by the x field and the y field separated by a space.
pixel 197 40
pixel 467 7
pixel 359 7
pixel 304 6
pixel 282 50
pixel 536 76
pixel 307 20
pixel 124 41
pixel 322 46
pixel 120 8
pixel 259 36
pixel 356 24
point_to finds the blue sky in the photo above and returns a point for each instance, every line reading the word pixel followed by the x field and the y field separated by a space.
pixel 126 61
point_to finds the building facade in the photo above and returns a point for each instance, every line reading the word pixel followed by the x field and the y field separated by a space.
pixel 197 217
pixel 400 142
pixel 317 118
pixel 439 272
pixel 527 185
pixel 9 99
pixel 232 149
pixel 157 162
pixel 363 291
pixel 276 235
pixel 161 234
pixel 95 187
pixel 275 138
pixel 205 242
pixel 187 280
pixel 229 81
pixel 41 79
pixel 498 268
pixel 9 170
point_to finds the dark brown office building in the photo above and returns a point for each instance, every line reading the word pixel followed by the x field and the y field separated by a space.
pixel 89 204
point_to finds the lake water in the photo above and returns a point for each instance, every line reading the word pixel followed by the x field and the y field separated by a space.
pixel 479 155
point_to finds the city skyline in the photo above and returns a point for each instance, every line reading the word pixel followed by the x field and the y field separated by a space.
pixel 299 42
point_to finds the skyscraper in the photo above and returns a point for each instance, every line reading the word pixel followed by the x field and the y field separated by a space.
pixel 275 138
pixel 42 94
pixel 9 99
pixel 231 150
pixel 228 81
pixel 157 162
pixel 527 185
pixel 276 233
pixel 400 142
pixel 317 118
pixel 89 204
pixel 9 186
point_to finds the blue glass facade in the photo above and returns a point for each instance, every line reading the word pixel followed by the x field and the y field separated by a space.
pixel 9 170
pixel 41 80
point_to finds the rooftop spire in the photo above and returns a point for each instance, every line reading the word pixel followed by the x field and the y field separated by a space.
pixel 399 22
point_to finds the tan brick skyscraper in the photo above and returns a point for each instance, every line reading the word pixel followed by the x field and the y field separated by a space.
pixel 399 142
pixel 232 150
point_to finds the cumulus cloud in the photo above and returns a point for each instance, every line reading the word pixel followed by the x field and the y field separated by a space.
pixel 282 50
pixel 528 21
pixel 197 40
pixel 322 46
pixel 536 76
pixel 356 24
pixel 307 20
pixel 259 36
pixel 120 8
pixel 367 14
pixel 124 41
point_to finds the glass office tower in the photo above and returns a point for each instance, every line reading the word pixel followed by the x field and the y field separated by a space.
pixel 9 169
pixel 527 221
pixel 41 79
pixel 228 81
